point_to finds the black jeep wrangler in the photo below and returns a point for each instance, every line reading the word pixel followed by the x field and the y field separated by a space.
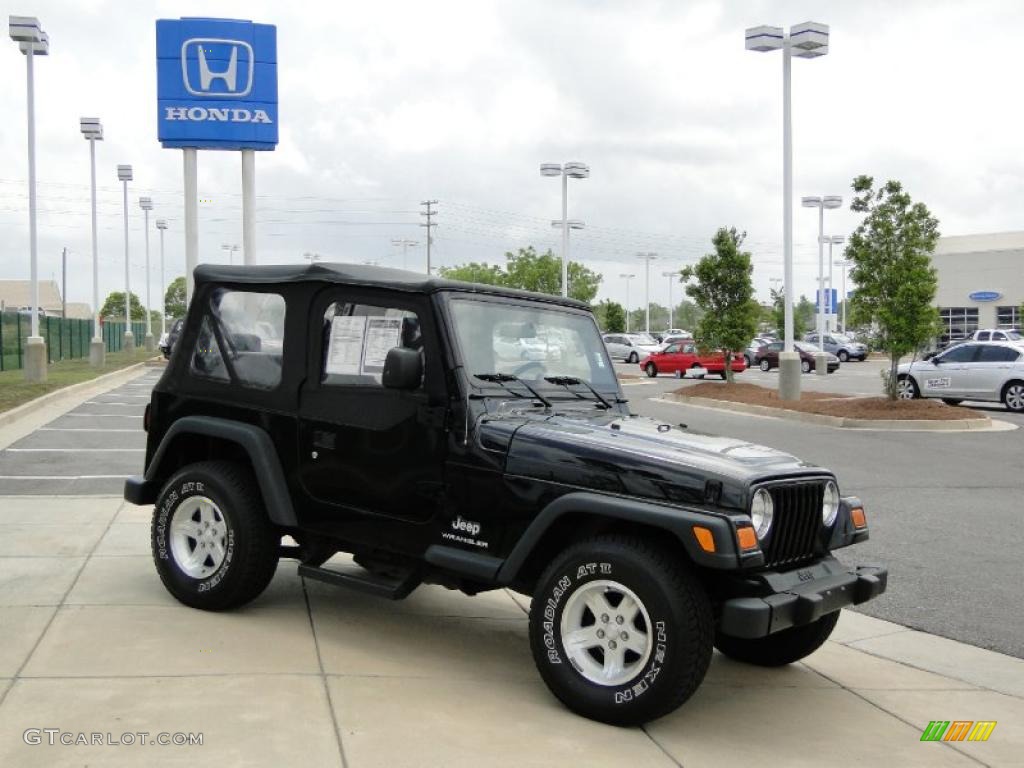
pixel 477 437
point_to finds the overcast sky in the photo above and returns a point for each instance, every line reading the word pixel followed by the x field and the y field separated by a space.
pixel 385 104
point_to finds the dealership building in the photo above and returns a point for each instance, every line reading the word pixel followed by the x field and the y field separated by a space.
pixel 981 282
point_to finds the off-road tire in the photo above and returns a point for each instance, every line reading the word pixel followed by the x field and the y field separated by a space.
pixel 251 542
pixel 681 627
pixel 781 648
pixel 651 370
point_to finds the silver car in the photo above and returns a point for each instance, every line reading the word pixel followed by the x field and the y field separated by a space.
pixel 631 347
pixel 992 371
pixel 841 346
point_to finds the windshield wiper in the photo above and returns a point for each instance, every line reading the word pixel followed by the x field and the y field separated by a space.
pixel 503 378
pixel 572 381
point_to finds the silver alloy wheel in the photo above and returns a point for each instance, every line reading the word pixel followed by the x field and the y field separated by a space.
pixel 765 365
pixel 905 389
pixel 198 534
pixel 606 632
pixel 805 366
pixel 1015 397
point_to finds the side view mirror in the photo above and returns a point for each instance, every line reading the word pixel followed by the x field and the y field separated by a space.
pixel 403 369
pixel 936 360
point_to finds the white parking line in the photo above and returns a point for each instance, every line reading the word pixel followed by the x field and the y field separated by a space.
pixel 122 394
pixel 62 477
pixel 105 415
pixel 83 429
pixel 116 405
pixel 74 450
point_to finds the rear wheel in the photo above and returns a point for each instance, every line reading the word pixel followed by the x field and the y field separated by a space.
pixel 906 389
pixel 633 358
pixel 805 366
pixel 781 648
pixel 621 631
pixel 651 370
pixel 765 365
pixel 213 545
pixel 1013 396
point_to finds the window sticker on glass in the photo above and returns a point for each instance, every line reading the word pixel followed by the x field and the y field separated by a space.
pixel 599 359
pixel 382 334
pixel 345 349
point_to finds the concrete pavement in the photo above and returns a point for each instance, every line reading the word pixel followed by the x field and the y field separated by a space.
pixel 90 642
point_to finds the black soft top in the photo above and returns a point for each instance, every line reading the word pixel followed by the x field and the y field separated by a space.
pixel 362 275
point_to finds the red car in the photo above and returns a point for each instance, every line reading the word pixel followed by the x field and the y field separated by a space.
pixel 683 355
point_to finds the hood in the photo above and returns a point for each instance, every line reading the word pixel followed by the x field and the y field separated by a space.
pixel 635 456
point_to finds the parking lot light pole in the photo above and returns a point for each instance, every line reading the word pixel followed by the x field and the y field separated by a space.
pixel 405 243
pixel 146 204
pixel 647 259
pixel 627 278
pixel 843 264
pixel 821 203
pixel 32 41
pixel 231 251
pixel 575 170
pixel 807 41
pixel 672 276
pixel 124 174
pixel 565 226
pixel 93 132
pixel 833 240
pixel 161 225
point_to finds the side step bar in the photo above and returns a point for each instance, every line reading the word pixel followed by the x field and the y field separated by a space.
pixel 355 577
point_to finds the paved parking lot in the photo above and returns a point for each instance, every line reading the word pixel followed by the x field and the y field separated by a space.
pixel 88 450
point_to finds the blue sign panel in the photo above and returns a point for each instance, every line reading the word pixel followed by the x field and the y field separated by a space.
pixel 216 84
pixel 985 296
pixel 831 296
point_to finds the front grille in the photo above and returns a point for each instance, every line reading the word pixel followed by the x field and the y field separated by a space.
pixel 797 522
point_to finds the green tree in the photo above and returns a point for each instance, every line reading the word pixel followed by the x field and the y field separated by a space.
pixel 725 291
pixel 687 315
pixel 803 317
pixel 610 315
pixel 489 274
pixel 531 271
pixel 113 307
pixel 174 298
pixel 892 268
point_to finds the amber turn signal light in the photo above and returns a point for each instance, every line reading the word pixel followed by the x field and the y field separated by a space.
pixel 705 538
pixel 858 517
pixel 747 538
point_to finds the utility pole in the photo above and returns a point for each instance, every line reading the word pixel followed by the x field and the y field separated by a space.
pixel 64 284
pixel 430 214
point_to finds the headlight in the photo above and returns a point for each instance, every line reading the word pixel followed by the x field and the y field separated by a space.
pixel 761 511
pixel 830 503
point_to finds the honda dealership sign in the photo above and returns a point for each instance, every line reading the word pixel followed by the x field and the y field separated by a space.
pixel 216 84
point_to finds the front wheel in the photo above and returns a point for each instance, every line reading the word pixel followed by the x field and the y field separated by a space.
pixel 213 545
pixel 633 358
pixel 697 366
pixel 781 648
pixel 844 356
pixel 906 389
pixel 621 631
pixel 651 369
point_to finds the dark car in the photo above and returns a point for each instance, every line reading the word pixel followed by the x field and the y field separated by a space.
pixel 384 414
pixel 767 357
pixel 169 339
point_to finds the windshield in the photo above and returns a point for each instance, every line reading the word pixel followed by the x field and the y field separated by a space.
pixel 1014 336
pixel 531 342
pixel 643 338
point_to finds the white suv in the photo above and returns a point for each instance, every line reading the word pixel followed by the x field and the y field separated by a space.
pixel 999 334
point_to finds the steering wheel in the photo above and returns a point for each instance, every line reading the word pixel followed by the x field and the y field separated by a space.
pixel 518 372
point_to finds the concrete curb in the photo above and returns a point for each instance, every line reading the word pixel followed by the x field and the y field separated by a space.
pixel 839 422
pixel 16 414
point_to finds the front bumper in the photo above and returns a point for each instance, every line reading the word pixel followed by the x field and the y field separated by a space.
pixel 801 596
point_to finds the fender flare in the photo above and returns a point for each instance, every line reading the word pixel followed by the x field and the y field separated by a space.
pixel 257 445
pixel 675 520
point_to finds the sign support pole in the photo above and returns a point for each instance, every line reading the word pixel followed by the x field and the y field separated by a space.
pixel 249 207
pixel 191 218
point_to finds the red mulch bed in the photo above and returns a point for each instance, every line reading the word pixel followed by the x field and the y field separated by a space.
pixel 831 405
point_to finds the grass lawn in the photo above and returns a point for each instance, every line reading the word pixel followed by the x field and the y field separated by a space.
pixel 14 390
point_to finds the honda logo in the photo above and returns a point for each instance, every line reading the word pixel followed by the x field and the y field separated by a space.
pixel 210 67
